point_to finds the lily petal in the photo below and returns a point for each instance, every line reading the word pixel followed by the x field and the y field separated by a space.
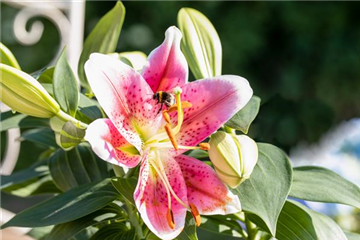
pixel 123 94
pixel 214 102
pixel 204 188
pixel 166 67
pixel 106 141
pixel 152 202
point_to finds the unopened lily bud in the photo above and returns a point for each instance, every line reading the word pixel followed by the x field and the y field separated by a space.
pixel 234 157
pixel 22 93
pixel 200 43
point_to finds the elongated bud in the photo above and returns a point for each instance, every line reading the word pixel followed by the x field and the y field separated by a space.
pixel 234 157
pixel 22 93
pixel 7 57
pixel 200 43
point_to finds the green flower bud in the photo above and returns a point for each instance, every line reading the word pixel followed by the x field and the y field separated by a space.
pixel 200 43
pixel 234 157
pixel 7 57
pixel 22 93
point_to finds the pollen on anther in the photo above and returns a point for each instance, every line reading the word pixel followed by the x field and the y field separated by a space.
pixel 170 218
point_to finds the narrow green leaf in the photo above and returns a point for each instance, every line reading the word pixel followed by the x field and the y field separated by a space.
pixel 67 230
pixel 71 205
pixel 7 57
pixel 115 231
pixel 65 85
pixel 76 167
pixel 90 110
pixel 323 185
pixel 71 135
pixel 125 186
pixel 44 75
pixel 243 119
pixel 298 222
pixel 10 120
pixel 102 39
pixel 39 233
pixel 36 171
pixel 189 231
pixel 265 193
pixel 219 224
pixel 200 43
pixel 43 136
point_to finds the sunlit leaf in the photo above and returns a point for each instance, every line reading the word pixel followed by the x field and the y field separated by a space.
pixel 265 192
pixel 243 119
pixel 103 38
pixel 65 85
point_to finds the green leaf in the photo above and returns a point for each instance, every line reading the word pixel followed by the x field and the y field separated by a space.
pixel 352 236
pixel 90 110
pixel 28 182
pixel 189 231
pixel 65 85
pixel 219 224
pixel 102 39
pixel 135 59
pixel 243 118
pixel 7 57
pixel 44 75
pixel 125 186
pixel 115 231
pixel 298 222
pixel 200 43
pixel 39 233
pixel 71 135
pixel 265 193
pixel 323 185
pixel 67 230
pixel 43 136
pixel 10 120
pixel 71 205
pixel 199 154
pixel 76 167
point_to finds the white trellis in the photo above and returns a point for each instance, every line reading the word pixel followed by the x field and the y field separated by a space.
pixel 68 17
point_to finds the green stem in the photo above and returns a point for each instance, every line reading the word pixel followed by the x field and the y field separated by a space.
pixel 251 229
pixel 229 130
pixel 66 117
pixel 132 213
pixel 119 171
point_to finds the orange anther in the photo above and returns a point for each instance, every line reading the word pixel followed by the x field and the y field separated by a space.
pixel 195 214
pixel 204 146
pixel 170 219
pixel 166 116
pixel 171 136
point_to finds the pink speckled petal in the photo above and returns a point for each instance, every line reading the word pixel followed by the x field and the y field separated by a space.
pixel 205 190
pixel 105 140
pixel 123 94
pixel 214 102
pixel 152 202
pixel 166 67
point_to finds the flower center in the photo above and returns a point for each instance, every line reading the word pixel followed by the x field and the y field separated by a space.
pixel 167 139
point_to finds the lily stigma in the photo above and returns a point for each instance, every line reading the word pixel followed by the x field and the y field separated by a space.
pixel 139 131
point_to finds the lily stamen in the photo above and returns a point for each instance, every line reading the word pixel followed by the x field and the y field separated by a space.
pixel 171 136
pixel 195 214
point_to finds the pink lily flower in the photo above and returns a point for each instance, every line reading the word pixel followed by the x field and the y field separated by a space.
pixel 169 183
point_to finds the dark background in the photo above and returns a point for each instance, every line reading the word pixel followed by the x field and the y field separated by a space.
pixel 301 58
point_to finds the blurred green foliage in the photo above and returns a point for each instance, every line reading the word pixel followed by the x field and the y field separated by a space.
pixel 301 58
